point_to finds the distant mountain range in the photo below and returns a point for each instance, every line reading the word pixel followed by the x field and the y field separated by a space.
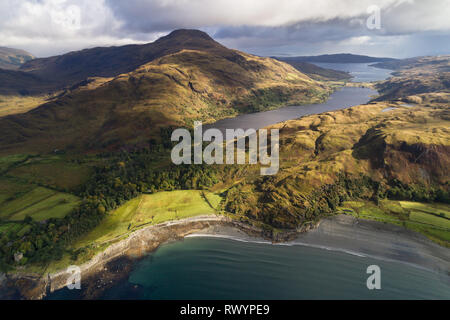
pixel 12 59
pixel 317 72
pixel 335 58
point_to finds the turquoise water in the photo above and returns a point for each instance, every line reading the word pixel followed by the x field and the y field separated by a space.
pixel 214 268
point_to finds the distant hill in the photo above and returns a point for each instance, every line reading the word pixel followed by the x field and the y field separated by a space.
pixel 12 59
pixel 336 58
pixel 191 77
pixel 415 76
pixel 317 72
pixel 440 63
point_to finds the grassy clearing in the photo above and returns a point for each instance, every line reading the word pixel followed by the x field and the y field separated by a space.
pixel 149 210
pixel 430 219
pixel 39 203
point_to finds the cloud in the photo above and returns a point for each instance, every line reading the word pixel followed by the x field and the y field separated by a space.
pixel 160 15
pixel 47 27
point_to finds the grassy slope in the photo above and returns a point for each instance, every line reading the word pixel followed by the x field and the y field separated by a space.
pixel 19 104
pixel 150 210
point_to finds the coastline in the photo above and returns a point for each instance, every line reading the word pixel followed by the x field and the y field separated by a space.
pixel 337 233
pixel 359 237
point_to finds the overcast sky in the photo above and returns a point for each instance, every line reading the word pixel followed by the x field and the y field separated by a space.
pixel 264 27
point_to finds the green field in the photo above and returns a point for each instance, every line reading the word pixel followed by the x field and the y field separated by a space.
pixel 35 186
pixel 434 208
pixel 430 219
pixel 39 203
pixel 7 161
pixel 150 209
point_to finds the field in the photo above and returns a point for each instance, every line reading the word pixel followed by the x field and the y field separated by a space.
pixel 9 161
pixel 150 209
pixel 39 203
pixel 36 186
pixel 56 173
pixel 430 219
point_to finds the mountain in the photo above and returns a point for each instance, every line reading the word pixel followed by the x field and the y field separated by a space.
pixel 12 59
pixel 316 72
pixel 336 58
pixel 190 77
pixel 73 67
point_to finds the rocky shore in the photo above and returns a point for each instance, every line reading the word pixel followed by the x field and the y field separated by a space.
pixel 341 233
pixel 114 263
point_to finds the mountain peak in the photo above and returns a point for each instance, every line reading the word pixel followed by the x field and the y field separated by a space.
pixel 189 33
pixel 188 39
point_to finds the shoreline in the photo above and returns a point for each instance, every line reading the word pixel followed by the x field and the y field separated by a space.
pixel 337 233
pixel 359 237
pixel 116 260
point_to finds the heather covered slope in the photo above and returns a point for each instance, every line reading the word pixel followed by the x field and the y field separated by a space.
pixel 416 76
pixel 173 90
pixel 353 160
pixel 366 152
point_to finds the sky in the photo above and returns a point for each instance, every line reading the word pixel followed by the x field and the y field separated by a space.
pixel 390 28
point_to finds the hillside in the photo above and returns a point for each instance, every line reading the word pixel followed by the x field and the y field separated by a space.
pixel 368 153
pixel 12 59
pixel 417 76
pixel 336 58
pixel 175 89
pixel 14 82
